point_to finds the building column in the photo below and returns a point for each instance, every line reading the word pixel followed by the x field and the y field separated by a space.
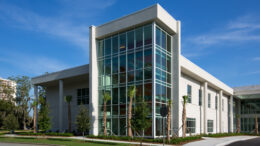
pixel 93 81
pixel 36 97
pixel 205 106
pixel 231 114
pixel 220 110
pixel 60 105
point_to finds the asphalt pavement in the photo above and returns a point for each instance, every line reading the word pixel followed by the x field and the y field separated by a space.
pixel 250 142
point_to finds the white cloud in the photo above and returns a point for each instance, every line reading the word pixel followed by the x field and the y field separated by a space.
pixel 62 26
pixel 32 64
pixel 241 30
pixel 23 19
pixel 256 59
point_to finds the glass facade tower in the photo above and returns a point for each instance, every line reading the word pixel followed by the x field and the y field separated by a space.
pixel 140 57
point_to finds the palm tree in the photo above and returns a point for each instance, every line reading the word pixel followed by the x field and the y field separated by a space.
pixel 106 97
pixel 131 94
pixel 169 120
pixel 238 123
pixel 184 116
pixel 256 125
pixel 68 100
pixel 34 105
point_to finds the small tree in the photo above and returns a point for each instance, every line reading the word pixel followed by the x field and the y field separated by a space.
pixel 238 123
pixel 131 94
pixel 11 122
pixel 82 120
pixel 106 97
pixel 169 120
pixel 68 100
pixel 44 120
pixel 140 120
pixel 184 116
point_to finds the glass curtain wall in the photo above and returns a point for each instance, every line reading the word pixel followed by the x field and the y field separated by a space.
pixel 249 109
pixel 125 60
pixel 163 78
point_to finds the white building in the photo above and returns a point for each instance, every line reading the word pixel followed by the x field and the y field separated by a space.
pixel 6 84
pixel 142 49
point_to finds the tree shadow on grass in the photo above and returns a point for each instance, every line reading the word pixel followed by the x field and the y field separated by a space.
pixel 58 139
pixel 101 142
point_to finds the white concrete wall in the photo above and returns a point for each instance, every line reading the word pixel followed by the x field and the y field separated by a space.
pixel 193 110
pixel 52 95
pixel 225 114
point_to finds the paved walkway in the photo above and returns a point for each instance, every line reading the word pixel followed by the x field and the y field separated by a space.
pixel 208 141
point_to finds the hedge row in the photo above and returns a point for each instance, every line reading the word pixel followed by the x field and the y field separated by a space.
pixel 177 140
pixel 45 134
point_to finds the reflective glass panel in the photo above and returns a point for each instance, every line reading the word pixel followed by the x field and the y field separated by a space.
pixel 158 36
pixel 130 40
pixel 122 42
pixel 122 63
pixel 108 46
pixel 148 58
pixel 115 96
pixel 148 35
pixel 115 64
pixel 139 37
pixel 115 44
pixel 163 40
pixel 131 61
pixel 139 60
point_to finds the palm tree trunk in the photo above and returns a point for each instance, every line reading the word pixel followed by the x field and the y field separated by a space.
pixel 24 122
pixel 69 116
pixel 130 117
pixel 184 120
pixel 256 125
pixel 105 118
pixel 34 120
pixel 168 123
pixel 238 125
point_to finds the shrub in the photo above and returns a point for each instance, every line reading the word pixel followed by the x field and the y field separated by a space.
pixel 45 134
pixel 11 122
pixel 177 140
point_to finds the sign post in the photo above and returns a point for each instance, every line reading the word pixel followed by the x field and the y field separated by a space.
pixel 163 112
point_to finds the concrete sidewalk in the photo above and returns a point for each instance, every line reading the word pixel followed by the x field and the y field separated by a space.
pixel 208 141
pixel 88 139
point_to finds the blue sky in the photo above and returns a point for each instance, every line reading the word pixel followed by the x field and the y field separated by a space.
pixel 38 36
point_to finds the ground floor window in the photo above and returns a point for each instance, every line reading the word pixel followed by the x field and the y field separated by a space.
pixel 191 125
pixel 210 125
pixel 83 96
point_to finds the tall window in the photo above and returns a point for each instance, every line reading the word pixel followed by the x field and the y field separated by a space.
pixel 200 97
pixel 83 96
pixel 216 102
pixel 209 100
pixel 191 125
pixel 210 125
pixel 189 93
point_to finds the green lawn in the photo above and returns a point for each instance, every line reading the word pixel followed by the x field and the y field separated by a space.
pixel 54 141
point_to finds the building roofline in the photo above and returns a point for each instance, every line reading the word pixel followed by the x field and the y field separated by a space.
pixel 192 69
pixel 62 74
pixel 154 13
